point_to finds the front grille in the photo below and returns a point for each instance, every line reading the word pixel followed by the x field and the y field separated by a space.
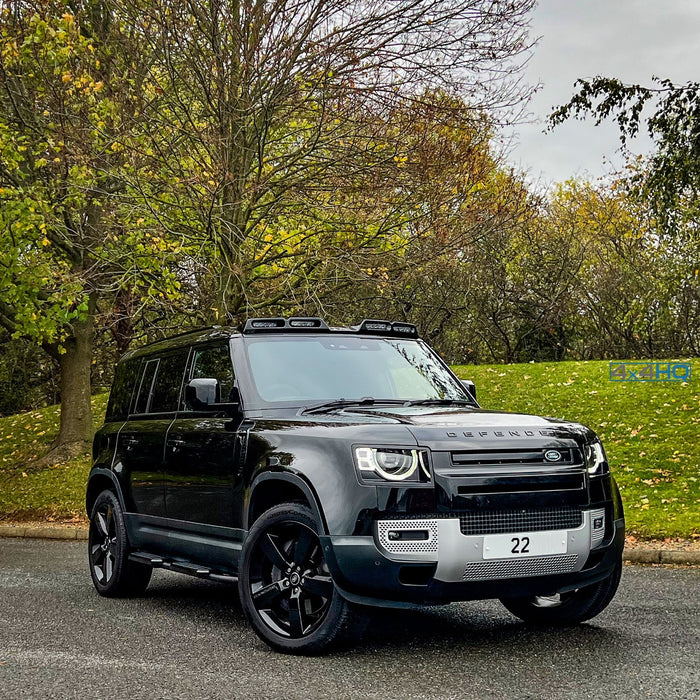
pixel 519 568
pixel 494 522
pixel 517 457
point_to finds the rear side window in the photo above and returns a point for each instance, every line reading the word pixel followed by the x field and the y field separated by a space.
pixel 166 388
pixel 125 377
pixel 146 386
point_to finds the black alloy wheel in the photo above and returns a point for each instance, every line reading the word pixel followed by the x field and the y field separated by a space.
pixel 285 586
pixel 112 572
pixel 104 548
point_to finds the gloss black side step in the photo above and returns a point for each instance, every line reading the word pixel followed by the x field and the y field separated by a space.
pixel 181 567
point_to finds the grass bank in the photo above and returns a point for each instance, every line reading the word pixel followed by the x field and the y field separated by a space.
pixel 31 493
pixel 651 432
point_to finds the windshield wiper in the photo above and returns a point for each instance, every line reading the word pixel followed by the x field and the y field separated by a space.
pixel 343 403
pixel 441 402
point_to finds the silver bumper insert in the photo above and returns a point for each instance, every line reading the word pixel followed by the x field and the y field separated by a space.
pixel 460 557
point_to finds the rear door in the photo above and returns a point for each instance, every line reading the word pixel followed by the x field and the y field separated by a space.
pixel 202 449
pixel 141 444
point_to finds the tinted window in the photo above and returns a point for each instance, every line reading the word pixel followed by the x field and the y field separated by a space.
pixel 215 362
pixel 146 386
pixel 166 389
pixel 125 376
pixel 329 367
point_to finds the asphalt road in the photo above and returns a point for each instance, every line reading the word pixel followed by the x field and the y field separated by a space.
pixel 188 639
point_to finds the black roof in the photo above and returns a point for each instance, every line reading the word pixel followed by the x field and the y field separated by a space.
pixel 194 336
pixel 258 326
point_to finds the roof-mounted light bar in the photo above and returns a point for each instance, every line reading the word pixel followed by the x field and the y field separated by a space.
pixel 396 329
pixel 298 323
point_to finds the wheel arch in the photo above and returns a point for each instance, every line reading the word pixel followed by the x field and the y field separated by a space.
pixel 99 481
pixel 271 489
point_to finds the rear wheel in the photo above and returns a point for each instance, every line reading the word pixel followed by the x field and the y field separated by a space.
pixel 112 573
pixel 286 588
pixel 570 608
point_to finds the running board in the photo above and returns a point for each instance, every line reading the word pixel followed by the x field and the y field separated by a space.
pixel 181 567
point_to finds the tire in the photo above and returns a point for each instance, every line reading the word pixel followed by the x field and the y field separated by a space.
pixel 285 588
pixel 113 575
pixel 567 609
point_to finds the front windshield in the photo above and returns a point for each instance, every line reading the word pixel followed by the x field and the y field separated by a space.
pixel 313 369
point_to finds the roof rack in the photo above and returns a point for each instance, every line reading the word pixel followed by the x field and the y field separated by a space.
pixel 201 329
pixel 396 329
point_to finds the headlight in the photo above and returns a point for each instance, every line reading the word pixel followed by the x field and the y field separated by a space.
pixel 392 464
pixel 596 460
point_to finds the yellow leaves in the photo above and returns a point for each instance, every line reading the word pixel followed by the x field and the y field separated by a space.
pixel 45 242
pixel 97 86
pixel 268 238
pixel 66 78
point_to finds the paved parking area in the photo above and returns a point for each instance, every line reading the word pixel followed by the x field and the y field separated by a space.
pixel 188 639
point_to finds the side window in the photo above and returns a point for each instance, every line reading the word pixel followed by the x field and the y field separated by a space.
pixel 166 388
pixel 146 386
pixel 125 377
pixel 215 362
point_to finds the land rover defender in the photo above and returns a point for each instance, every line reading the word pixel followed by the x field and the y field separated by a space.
pixel 326 470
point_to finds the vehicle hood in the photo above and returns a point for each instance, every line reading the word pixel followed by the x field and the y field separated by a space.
pixel 447 427
pixel 442 428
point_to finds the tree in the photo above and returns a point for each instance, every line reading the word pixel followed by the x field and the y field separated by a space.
pixel 67 245
pixel 265 118
pixel 668 182
pixel 671 178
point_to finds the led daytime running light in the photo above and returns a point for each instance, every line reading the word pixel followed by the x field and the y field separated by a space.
pixel 372 459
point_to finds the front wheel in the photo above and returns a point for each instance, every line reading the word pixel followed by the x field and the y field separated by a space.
pixel 566 609
pixel 286 588
pixel 112 573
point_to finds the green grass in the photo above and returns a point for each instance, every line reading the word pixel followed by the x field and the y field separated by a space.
pixel 651 432
pixel 28 492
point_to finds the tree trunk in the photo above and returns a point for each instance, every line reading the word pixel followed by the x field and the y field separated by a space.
pixel 75 432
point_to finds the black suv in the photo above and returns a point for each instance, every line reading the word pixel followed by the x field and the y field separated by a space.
pixel 327 469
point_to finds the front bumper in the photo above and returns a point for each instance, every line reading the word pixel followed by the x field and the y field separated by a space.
pixel 449 566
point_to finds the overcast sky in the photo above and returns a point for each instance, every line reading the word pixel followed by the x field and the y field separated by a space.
pixel 627 39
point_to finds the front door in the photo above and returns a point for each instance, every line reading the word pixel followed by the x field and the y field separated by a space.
pixel 202 449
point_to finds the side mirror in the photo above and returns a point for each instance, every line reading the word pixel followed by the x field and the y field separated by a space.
pixel 469 385
pixel 202 393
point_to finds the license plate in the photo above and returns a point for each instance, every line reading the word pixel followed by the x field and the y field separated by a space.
pixel 525 544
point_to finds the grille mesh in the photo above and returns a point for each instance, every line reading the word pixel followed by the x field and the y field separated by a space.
pixel 520 568
pixel 493 522
pixel 408 546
